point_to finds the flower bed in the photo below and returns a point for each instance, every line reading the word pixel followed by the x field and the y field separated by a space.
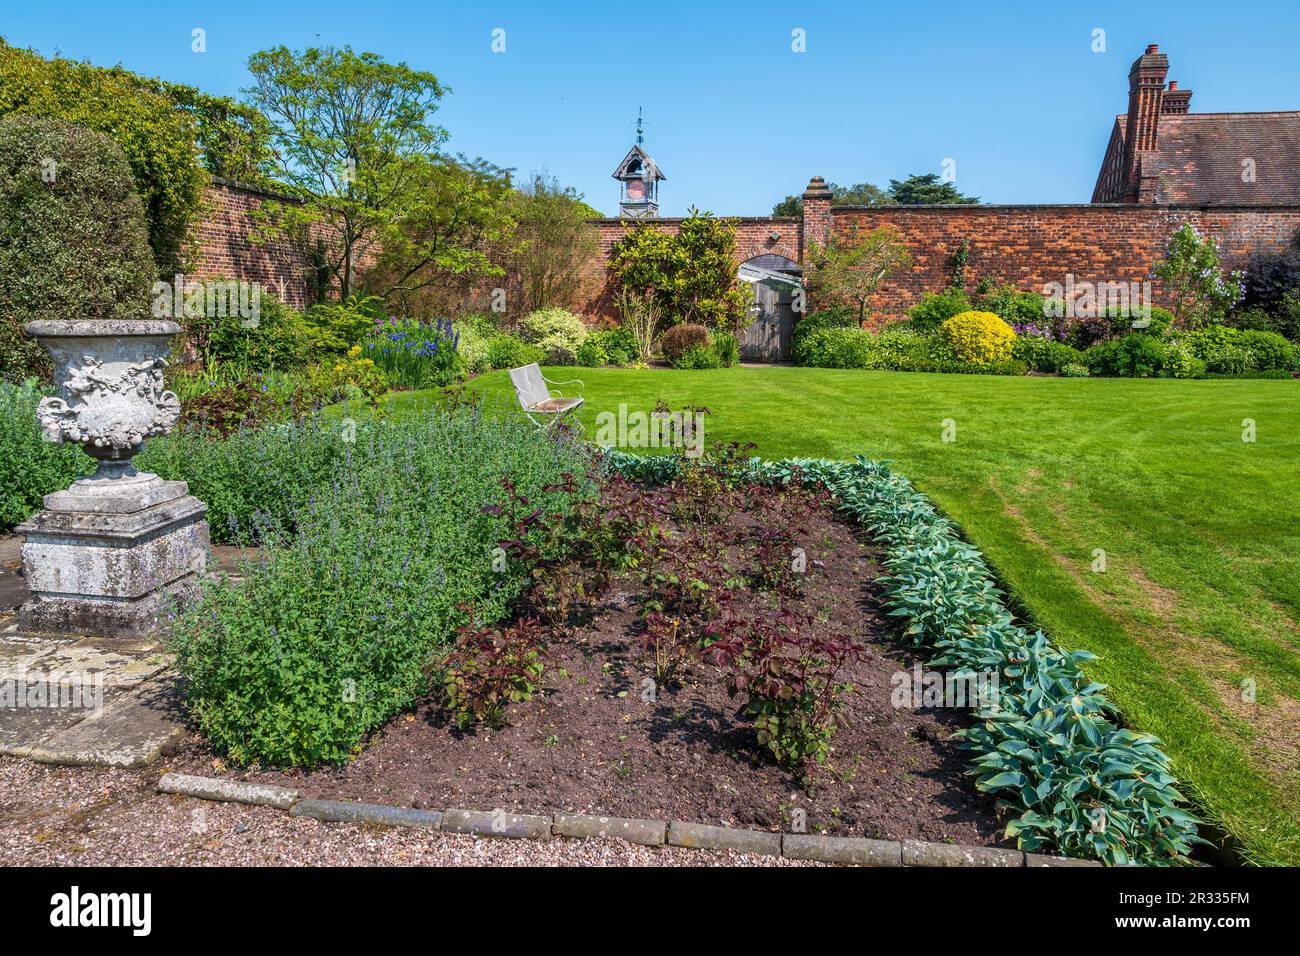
pixel 669 662
pixel 1050 748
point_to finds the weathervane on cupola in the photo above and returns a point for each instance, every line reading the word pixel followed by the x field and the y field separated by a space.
pixel 640 178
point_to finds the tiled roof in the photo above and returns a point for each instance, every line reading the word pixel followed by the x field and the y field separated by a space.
pixel 1205 158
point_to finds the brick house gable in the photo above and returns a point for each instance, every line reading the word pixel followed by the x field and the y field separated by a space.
pixel 1159 152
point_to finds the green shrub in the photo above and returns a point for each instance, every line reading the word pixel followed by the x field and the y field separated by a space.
pixel 591 353
pixel 1044 355
pixel 1213 350
pixel 1179 362
pixel 557 332
pixel 1229 351
pixel 1288 316
pixel 334 327
pixel 30 466
pixel 155 132
pixel 911 350
pixel 73 247
pixel 676 341
pixel 1074 370
pixel 1013 306
pixel 937 307
pixel 472 345
pixel 620 344
pixel 1134 356
pixel 278 340
pixel 608 347
pixel 510 351
pixel 343 622
pixel 838 347
pixel 838 317
pixel 1255 319
pixel 1269 350
pixel 698 357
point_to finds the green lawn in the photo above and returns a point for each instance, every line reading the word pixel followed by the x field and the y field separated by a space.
pixel 1201 532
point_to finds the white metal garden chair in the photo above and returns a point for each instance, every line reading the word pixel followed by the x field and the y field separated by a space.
pixel 543 408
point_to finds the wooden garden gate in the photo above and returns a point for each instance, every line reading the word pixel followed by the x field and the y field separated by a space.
pixel 767 339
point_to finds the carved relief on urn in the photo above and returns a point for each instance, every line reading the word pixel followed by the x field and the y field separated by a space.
pixel 110 380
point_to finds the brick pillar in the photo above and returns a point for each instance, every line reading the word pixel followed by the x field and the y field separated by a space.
pixel 816 226
pixel 1146 86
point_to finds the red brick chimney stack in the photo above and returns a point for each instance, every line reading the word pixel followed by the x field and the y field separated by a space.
pixel 1146 86
pixel 1175 100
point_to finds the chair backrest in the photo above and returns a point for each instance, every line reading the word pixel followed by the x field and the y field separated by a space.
pixel 529 385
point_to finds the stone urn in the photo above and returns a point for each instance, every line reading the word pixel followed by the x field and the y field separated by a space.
pixel 114 551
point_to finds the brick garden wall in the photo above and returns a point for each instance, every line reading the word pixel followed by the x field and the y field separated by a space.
pixel 1028 246
pixel 221 247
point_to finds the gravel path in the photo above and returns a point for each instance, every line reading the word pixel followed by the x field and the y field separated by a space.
pixel 70 816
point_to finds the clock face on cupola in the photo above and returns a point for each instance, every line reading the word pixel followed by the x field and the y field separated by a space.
pixel 639 198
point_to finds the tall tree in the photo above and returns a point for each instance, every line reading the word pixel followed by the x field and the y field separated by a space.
pixel 553 241
pixel 353 134
pixel 927 190
pixel 446 243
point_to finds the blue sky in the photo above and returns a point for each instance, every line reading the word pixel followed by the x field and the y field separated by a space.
pixel 1013 92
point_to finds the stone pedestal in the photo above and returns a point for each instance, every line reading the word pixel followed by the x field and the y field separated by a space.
pixel 112 556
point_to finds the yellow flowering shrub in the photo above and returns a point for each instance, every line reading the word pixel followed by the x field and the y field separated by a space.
pixel 338 378
pixel 979 337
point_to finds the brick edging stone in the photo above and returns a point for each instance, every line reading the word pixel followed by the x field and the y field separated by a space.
pixel 857 851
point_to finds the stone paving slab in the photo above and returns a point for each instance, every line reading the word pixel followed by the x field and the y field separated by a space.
pixel 18 656
pixel 647 832
pixel 23 728
pixel 704 836
pixel 131 732
pixel 117 668
pixel 334 811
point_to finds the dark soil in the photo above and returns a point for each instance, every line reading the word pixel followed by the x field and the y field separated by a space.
pixel 592 744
